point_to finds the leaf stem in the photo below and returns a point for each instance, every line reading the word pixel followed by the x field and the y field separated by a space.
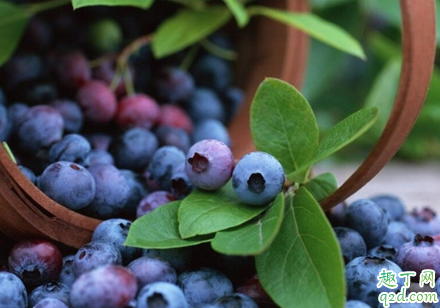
pixel 189 57
pixel 9 152
pixel 122 69
pixel 46 5
pixel 219 51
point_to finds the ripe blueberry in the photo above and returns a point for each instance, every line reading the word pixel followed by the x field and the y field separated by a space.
pixel 258 178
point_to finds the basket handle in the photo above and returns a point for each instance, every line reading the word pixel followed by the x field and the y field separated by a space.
pixel 419 45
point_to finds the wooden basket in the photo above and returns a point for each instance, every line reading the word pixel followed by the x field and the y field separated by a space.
pixel 26 212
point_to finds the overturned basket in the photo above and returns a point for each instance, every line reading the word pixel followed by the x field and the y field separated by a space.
pixel 26 212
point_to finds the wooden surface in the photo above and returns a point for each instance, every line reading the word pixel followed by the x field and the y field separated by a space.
pixel 416 184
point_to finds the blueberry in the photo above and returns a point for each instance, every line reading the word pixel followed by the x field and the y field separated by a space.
pixel 367 218
pixel 175 116
pixel 181 185
pixel 98 156
pixel 161 294
pixel 50 302
pixel 52 289
pixel 383 251
pixel 351 242
pixel 398 234
pixel 209 164
pixel 97 101
pixel 211 129
pixel 108 286
pixel 173 85
pixel 212 72
pixel 423 220
pixel 72 69
pixel 28 173
pixel 391 204
pixel 162 164
pixel 13 292
pixel 205 104
pixel 356 304
pixel 238 300
pixel 3 100
pixel 419 254
pixel 139 110
pixel 71 113
pixel 35 92
pixel 104 35
pixel 67 275
pixel 204 285
pixel 336 214
pixel 115 231
pixel 16 113
pixel 94 254
pixel 138 189
pixel 39 128
pixel 20 68
pixel 112 192
pixel 73 148
pixel 361 277
pixel 174 136
pixel 152 201
pixel 258 178
pixel 35 261
pixel 152 269
pixel 233 99
pixel 134 148
pixel 5 124
pixel 69 184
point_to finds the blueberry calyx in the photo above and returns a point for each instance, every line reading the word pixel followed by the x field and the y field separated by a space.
pixel 156 300
pixel 74 167
pixel 256 183
pixel 374 260
pixel 31 274
pixel 199 163
pixel 426 240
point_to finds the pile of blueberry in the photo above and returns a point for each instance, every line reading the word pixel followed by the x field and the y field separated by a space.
pixel 378 233
pixel 105 273
pixel 101 144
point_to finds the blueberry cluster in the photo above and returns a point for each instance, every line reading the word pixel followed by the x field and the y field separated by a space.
pixel 105 273
pixel 104 142
pixel 378 233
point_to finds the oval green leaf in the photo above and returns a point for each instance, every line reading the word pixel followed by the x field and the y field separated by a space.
pixel 159 230
pixel 143 4
pixel 283 124
pixel 239 11
pixel 186 28
pixel 316 27
pixel 13 22
pixel 322 186
pixel 340 135
pixel 304 264
pixel 204 212
pixel 253 237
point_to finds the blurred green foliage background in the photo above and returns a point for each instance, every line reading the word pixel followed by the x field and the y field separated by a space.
pixel 337 84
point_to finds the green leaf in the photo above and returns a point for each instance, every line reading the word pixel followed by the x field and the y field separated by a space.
pixel 303 265
pixel 159 230
pixel 253 237
pixel 283 124
pixel 204 212
pixel 322 186
pixel 13 22
pixel 186 28
pixel 143 4
pixel 239 12
pixel 316 27
pixel 341 135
